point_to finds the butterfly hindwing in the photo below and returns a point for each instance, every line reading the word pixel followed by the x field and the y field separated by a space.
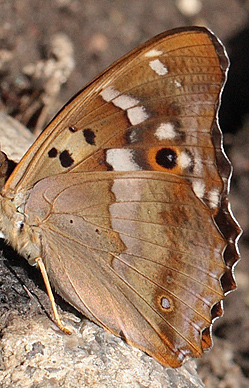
pixel 103 262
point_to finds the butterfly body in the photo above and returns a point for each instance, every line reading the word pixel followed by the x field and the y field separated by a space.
pixel 124 198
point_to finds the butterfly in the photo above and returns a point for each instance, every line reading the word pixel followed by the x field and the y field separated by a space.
pixel 122 200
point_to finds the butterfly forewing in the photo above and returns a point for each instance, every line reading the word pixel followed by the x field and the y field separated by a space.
pixel 124 196
pixel 163 94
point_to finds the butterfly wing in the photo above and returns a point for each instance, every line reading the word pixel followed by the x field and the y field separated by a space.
pixel 139 249
pixel 143 260
pixel 161 94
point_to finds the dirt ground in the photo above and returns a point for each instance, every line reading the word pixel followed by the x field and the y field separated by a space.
pixel 49 49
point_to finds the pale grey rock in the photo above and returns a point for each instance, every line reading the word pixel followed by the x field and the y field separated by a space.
pixel 36 354
pixel 15 138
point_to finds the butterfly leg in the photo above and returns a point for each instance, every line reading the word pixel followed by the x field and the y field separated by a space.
pixel 51 295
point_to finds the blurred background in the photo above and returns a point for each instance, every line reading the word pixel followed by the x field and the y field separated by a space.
pixel 49 49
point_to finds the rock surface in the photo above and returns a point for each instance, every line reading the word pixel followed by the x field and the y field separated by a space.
pixel 36 354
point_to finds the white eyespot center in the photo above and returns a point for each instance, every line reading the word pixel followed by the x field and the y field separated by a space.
pixel 122 159
pixel 137 115
pixel 199 188
pixel 165 303
pixel 165 131
pixel 158 67
pixel 153 53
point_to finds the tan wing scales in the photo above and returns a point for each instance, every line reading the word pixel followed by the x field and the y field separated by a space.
pixel 128 253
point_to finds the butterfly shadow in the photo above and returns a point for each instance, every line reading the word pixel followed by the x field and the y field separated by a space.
pixel 22 288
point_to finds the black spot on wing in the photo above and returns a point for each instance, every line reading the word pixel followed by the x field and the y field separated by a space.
pixel 65 159
pixel 89 136
pixel 53 153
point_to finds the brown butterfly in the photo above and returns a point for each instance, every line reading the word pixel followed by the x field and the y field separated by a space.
pixel 122 201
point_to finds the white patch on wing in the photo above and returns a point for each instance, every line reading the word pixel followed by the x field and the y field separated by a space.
pixel 124 192
pixel 153 53
pixel 177 84
pixel 184 160
pixel 165 131
pixel 198 166
pixel 125 102
pixel 109 93
pixel 158 67
pixel 137 115
pixel 199 188
pixel 134 135
pixel 214 197
pixel 121 159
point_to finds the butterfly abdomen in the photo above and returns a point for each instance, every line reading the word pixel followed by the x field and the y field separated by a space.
pixel 23 237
